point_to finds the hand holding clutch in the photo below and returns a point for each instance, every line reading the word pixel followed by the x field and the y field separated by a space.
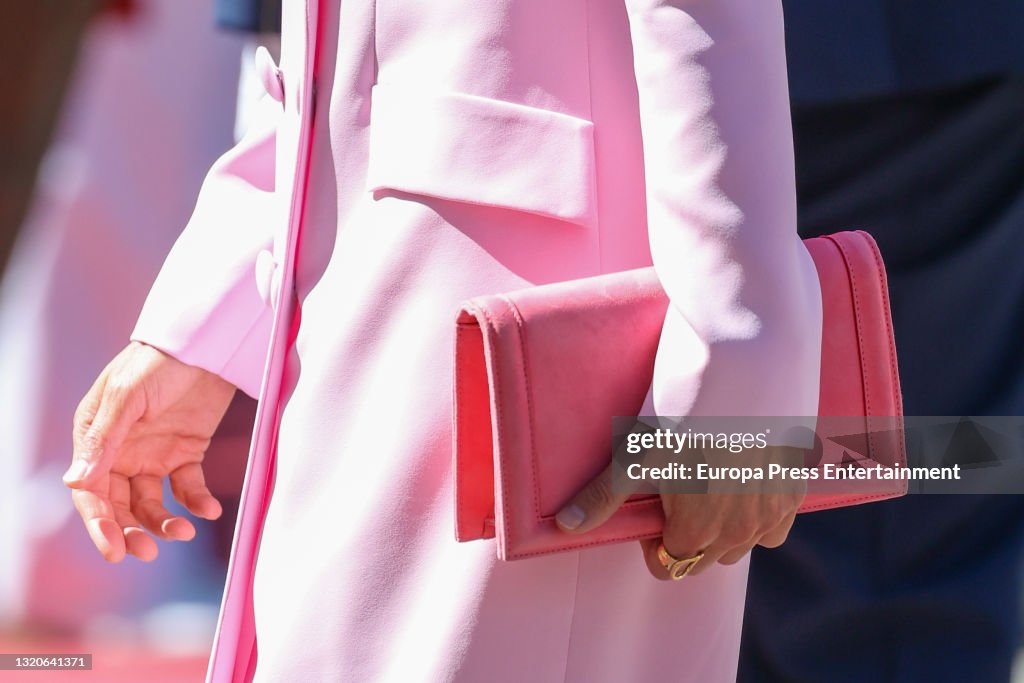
pixel 718 526
pixel 525 444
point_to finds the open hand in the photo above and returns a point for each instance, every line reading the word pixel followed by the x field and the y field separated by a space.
pixel 146 417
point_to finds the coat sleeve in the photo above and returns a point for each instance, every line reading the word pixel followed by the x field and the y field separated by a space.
pixel 742 335
pixel 208 306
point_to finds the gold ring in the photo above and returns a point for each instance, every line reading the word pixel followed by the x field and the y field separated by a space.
pixel 677 567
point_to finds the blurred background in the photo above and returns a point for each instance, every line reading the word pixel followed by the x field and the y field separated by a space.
pixel 108 124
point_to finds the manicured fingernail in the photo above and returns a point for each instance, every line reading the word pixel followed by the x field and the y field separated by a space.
pixel 570 517
pixel 213 510
pixel 178 529
pixel 76 472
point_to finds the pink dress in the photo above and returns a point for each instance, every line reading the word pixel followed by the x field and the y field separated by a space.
pixel 415 154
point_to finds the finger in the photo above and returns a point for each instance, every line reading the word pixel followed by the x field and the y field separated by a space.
pixel 592 506
pixel 736 554
pixel 96 443
pixel 712 555
pixel 148 508
pixel 778 535
pixel 85 413
pixel 649 546
pixel 689 531
pixel 98 515
pixel 137 542
pixel 659 571
pixel 189 488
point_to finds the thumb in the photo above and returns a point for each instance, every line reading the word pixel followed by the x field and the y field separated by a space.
pixel 97 439
pixel 592 506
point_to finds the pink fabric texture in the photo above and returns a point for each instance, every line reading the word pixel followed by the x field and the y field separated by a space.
pixel 427 153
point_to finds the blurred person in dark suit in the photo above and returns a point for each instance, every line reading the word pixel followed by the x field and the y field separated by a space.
pixel 909 123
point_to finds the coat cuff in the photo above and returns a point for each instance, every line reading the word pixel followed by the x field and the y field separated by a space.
pixel 209 306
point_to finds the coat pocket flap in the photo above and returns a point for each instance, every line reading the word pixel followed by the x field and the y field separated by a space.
pixel 482 151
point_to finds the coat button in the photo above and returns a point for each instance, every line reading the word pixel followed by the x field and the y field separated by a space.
pixel 268 277
pixel 270 74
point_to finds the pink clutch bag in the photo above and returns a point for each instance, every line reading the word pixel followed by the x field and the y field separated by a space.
pixel 517 459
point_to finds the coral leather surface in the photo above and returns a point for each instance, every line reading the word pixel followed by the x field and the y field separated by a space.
pixel 540 373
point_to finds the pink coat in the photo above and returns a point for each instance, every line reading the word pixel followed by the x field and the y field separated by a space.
pixel 424 153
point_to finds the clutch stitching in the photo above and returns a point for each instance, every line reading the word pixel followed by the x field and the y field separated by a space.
pixel 878 263
pixel 897 398
pixel 521 334
pixel 499 421
pixel 860 338
pixel 460 331
pixel 894 492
